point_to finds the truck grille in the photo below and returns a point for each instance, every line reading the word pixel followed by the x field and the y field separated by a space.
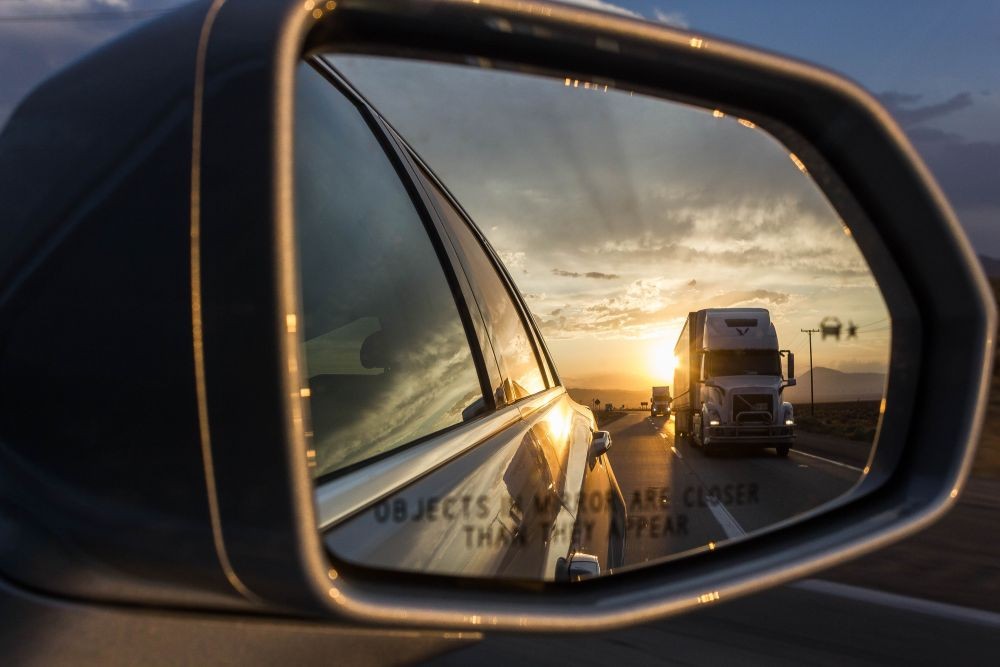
pixel 753 408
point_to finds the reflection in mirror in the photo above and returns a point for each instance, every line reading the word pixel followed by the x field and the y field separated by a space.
pixel 670 279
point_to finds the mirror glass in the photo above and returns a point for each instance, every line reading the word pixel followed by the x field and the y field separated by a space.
pixel 553 329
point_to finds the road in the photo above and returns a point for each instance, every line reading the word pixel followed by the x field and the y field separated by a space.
pixel 679 499
pixel 791 625
pixel 814 621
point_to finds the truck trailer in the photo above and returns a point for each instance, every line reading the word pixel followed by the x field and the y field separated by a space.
pixel 659 402
pixel 729 381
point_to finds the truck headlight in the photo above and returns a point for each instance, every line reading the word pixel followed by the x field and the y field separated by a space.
pixel 789 422
pixel 713 422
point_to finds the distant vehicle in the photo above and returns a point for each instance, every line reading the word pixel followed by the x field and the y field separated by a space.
pixel 729 381
pixel 659 403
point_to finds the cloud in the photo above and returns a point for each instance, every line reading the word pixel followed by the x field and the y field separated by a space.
pixel 54 7
pixel 512 259
pixel 603 6
pixel 589 274
pixel 644 307
pixel 967 170
pixel 675 19
pixel 903 106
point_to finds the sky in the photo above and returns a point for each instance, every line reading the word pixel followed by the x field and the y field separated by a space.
pixel 617 214
pixel 614 288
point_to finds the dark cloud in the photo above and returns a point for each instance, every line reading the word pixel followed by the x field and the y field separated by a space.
pixel 905 107
pixel 589 274
pixel 968 171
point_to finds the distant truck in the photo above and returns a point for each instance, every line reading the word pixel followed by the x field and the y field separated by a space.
pixel 659 402
pixel 729 382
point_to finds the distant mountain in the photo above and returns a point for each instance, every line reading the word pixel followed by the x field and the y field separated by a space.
pixel 630 380
pixel 833 386
pixel 990 265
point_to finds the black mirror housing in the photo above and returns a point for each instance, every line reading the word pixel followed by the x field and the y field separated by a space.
pixel 231 375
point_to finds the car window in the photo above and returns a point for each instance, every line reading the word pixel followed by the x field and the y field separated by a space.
pixel 387 355
pixel 511 343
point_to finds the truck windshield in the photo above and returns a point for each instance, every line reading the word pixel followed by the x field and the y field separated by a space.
pixel 742 362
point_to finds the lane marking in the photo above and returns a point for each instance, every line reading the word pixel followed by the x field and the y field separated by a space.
pixel 730 526
pixel 831 461
pixel 903 602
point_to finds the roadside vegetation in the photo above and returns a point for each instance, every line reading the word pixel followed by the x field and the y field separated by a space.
pixel 854 420
pixel 605 417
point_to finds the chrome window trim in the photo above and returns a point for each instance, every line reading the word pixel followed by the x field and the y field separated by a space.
pixel 343 496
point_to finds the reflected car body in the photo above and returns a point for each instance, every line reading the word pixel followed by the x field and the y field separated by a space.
pixel 519 505
pixel 513 488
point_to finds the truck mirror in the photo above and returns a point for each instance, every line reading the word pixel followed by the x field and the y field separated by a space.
pixel 791 365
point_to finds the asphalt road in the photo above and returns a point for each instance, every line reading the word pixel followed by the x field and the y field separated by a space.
pixel 791 625
pixel 679 499
pixel 815 622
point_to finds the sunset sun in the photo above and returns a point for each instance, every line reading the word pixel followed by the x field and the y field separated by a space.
pixel 662 363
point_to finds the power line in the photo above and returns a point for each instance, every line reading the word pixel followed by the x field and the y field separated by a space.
pixel 862 326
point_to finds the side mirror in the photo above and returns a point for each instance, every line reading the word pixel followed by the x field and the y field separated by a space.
pixel 583 566
pixel 232 327
pixel 599 444
pixel 790 381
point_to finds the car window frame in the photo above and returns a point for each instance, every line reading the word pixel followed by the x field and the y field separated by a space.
pixel 447 261
pixel 542 358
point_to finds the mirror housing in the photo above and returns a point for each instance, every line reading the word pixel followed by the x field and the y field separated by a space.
pixel 583 566
pixel 252 525
pixel 790 381
pixel 599 444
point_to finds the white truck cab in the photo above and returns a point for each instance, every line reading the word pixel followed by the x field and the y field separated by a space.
pixel 730 372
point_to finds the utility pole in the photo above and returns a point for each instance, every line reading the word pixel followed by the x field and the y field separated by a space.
pixel 812 394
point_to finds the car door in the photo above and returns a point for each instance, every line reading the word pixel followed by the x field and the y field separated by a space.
pixel 433 353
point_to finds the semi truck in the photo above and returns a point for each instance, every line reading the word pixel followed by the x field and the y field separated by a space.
pixel 729 383
pixel 659 402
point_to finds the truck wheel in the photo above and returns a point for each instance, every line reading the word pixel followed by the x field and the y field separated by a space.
pixel 782 451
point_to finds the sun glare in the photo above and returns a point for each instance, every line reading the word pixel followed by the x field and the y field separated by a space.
pixel 662 363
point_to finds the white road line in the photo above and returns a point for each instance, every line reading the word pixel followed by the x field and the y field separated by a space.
pixel 831 461
pixel 729 525
pixel 904 602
